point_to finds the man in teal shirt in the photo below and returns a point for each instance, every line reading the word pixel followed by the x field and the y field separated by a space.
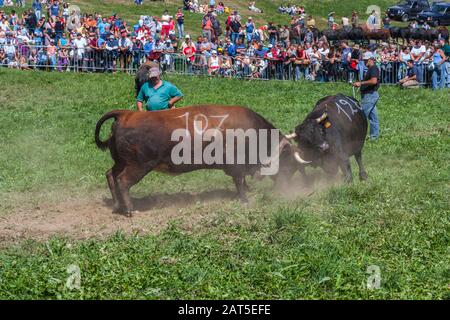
pixel 157 94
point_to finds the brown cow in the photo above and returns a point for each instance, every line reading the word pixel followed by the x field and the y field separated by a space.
pixel 376 34
pixel 141 142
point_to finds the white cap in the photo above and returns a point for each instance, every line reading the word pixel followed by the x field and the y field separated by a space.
pixel 367 55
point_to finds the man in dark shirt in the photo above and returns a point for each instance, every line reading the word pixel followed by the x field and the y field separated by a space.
pixel 410 81
pixel 369 93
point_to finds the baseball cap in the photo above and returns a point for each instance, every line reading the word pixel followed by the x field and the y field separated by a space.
pixel 154 72
pixel 214 52
pixel 367 55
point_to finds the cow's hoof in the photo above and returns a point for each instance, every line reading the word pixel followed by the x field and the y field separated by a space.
pixel 363 176
pixel 117 209
pixel 129 213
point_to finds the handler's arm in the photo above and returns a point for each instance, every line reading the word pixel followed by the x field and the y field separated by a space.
pixel 176 95
pixel 140 100
pixel 174 100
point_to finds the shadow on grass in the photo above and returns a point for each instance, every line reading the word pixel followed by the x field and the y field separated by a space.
pixel 180 199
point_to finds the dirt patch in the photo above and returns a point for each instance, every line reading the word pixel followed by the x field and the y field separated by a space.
pixel 93 218
pixel 85 218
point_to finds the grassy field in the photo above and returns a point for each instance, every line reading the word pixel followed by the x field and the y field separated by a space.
pixel 319 9
pixel 314 245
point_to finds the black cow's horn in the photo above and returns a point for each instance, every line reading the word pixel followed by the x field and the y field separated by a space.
pixel 291 136
pixel 322 117
pixel 299 159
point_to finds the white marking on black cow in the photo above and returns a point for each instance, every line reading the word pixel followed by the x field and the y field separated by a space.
pixel 341 103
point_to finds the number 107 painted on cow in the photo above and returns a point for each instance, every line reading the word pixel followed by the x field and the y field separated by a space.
pixel 242 147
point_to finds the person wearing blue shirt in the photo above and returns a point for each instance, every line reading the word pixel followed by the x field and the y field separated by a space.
pixel 249 28
pixel 231 48
pixel 38 36
pixel 54 9
pixel 148 47
pixel 157 94
pixel 37 7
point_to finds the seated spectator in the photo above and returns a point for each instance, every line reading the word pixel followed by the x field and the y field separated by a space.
pixel 410 81
pixel 253 8
pixel 214 63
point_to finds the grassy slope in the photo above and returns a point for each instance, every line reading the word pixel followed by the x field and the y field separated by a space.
pixel 318 247
pixel 320 9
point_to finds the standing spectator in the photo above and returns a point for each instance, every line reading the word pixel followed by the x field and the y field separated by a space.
pixel 165 28
pixel 330 20
pixel 112 51
pixel 125 47
pixel 189 53
pixel 54 9
pixel 179 16
pixel 446 50
pixel 235 27
pixel 249 29
pixel 207 28
pixel 273 33
pixel 355 19
pixel 65 12
pixel 369 94
pixel 214 63
pixel 79 44
pixel 37 7
pixel 418 54
pixel 437 77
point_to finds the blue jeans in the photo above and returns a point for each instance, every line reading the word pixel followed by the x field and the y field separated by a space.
pixel 234 37
pixel 420 72
pixel 180 30
pixel 438 78
pixel 369 106
pixel 446 74
pixel 301 71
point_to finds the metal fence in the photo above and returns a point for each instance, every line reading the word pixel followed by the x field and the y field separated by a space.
pixel 102 60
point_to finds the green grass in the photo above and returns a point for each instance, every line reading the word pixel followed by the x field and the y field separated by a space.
pixel 319 9
pixel 318 247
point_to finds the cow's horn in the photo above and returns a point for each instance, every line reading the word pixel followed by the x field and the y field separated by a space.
pixel 299 159
pixel 291 136
pixel 322 117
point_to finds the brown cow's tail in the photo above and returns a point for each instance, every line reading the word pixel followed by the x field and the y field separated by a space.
pixel 103 145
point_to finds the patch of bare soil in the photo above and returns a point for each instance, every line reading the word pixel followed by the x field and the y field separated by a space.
pixel 93 218
pixel 81 218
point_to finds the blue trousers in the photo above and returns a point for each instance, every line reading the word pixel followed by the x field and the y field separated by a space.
pixel 438 77
pixel 369 106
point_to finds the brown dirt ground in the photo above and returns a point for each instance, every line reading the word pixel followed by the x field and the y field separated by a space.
pixel 85 218
pixel 93 218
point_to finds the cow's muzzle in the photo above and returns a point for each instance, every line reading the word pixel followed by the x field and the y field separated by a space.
pixel 324 147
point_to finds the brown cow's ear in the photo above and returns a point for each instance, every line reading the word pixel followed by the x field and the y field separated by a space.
pixel 322 117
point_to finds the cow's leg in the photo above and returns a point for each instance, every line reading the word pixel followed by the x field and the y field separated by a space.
pixel 112 188
pixel 125 180
pixel 346 170
pixel 239 181
pixel 362 170
pixel 245 185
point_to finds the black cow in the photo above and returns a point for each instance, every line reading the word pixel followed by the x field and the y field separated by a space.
pixel 333 132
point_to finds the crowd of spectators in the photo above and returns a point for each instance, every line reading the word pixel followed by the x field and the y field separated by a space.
pixel 48 36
